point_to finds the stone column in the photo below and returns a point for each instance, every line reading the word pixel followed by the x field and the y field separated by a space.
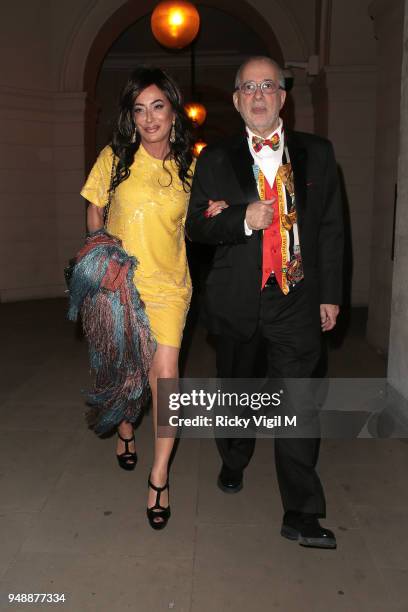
pixel 344 104
pixel 398 347
pixel 42 216
pixel 71 110
pixel 388 23
pixel 28 236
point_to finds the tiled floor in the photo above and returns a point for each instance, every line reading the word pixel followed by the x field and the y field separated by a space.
pixel 73 523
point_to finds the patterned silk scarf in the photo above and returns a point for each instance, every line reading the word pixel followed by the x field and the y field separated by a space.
pixel 281 246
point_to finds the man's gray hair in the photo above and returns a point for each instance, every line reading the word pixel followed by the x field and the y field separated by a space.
pixel 260 58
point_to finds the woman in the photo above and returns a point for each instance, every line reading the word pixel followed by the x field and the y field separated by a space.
pixel 151 150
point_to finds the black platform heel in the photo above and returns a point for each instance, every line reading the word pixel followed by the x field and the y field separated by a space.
pixel 127 460
pixel 157 515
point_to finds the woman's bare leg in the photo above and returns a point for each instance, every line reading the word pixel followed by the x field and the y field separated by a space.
pixel 165 365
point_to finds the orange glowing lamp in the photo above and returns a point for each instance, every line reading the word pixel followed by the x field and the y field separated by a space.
pixel 175 23
pixel 198 147
pixel 196 112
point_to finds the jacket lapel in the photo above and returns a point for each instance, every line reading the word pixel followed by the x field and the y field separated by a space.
pixel 242 162
pixel 298 158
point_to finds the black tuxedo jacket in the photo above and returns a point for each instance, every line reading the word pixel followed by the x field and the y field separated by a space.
pixel 233 287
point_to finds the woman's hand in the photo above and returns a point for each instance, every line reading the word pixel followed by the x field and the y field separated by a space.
pixel 215 207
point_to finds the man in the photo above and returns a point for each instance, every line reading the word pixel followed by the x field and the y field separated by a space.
pixel 269 200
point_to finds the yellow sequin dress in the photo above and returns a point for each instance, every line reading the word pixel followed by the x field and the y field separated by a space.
pixel 148 215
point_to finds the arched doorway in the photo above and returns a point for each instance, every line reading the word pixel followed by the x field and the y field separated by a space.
pixel 223 43
pixel 95 31
pixel 130 13
pixel 102 28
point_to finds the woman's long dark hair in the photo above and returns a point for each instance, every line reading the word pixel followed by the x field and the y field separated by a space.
pixel 122 145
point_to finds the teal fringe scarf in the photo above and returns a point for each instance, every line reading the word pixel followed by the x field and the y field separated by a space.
pixel 121 347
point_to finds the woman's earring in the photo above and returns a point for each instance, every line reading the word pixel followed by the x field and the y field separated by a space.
pixel 172 136
pixel 133 139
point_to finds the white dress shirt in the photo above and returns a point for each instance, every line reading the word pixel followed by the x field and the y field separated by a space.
pixel 267 159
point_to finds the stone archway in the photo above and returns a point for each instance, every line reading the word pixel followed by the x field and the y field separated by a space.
pixel 99 27
pixel 124 17
pixel 102 26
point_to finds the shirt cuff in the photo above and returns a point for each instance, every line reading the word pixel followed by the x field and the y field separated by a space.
pixel 248 231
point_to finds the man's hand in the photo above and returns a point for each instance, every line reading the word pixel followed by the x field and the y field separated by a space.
pixel 259 214
pixel 215 207
pixel 328 316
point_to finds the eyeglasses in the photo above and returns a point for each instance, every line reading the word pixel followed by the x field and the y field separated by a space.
pixel 267 87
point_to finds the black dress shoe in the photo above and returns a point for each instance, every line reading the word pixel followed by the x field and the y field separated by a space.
pixel 229 481
pixel 306 529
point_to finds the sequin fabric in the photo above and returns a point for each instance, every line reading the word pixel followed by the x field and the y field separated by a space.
pixel 148 215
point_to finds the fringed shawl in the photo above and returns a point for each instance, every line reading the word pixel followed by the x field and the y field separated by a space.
pixel 116 327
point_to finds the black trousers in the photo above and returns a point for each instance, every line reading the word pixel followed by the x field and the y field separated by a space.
pixel 289 336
